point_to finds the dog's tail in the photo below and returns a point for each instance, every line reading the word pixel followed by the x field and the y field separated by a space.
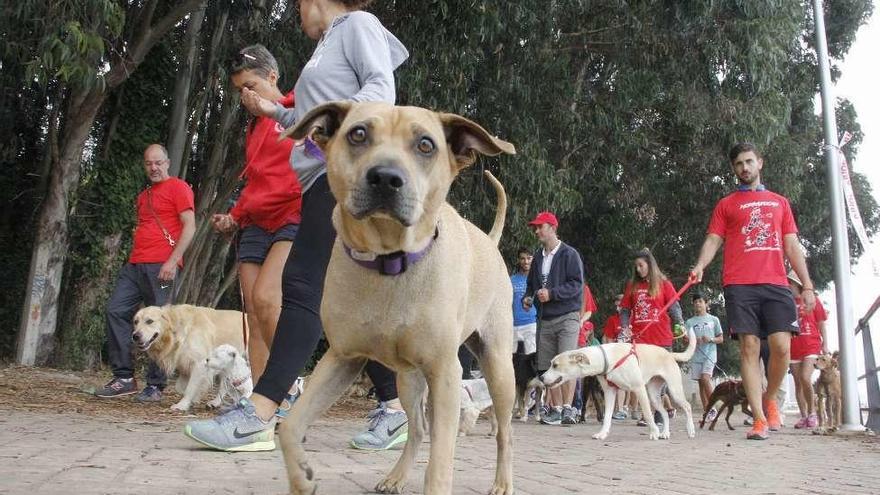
pixel 689 352
pixel 501 209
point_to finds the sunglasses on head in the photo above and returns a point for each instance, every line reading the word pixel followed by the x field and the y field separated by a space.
pixel 242 58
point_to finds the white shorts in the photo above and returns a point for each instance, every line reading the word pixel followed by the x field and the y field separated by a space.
pixel 699 369
pixel 526 334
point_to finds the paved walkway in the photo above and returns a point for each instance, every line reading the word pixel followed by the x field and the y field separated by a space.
pixel 52 453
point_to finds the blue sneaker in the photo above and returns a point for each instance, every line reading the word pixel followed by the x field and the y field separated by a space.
pixel 387 429
pixel 237 430
pixel 150 393
pixel 553 417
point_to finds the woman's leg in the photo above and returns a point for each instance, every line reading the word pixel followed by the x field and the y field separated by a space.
pixel 806 374
pixel 798 388
pixel 299 324
pixel 267 291
pixel 258 351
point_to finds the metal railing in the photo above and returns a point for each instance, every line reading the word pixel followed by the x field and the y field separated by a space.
pixel 871 369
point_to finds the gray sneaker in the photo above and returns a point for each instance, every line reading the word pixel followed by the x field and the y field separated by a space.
pixel 237 430
pixel 553 417
pixel 118 387
pixel 387 429
pixel 151 393
pixel 619 415
pixel 568 416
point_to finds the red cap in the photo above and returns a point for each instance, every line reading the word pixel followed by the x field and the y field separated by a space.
pixel 545 217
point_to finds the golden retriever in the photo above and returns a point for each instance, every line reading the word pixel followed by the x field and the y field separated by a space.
pixel 179 338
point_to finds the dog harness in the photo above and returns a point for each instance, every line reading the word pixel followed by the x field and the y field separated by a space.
pixel 392 263
pixel 618 364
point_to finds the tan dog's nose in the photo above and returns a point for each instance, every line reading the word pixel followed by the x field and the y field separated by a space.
pixel 386 180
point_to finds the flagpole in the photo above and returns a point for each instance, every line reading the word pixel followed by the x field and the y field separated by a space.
pixel 840 241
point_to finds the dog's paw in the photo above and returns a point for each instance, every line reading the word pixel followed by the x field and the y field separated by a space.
pixel 502 489
pixel 654 434
pixel 214 403
pixel 664 435
pixel 390 485
pixel 180 406
pixel 602 435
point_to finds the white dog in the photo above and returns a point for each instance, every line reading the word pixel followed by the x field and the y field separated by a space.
pixel 475 399
pixel 639 368
pixel 179 338
pixel 230 366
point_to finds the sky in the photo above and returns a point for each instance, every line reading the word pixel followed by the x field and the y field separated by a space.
pixel 858 84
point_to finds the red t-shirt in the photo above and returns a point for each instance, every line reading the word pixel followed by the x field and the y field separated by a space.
pixel 612 328
pixel 753 224
pixel 809 340
pixel 645 310
pixel 587 327
pixel 272 197
pixel 171 197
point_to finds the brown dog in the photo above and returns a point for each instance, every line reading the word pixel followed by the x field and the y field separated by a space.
pixel 730 393
pixel 828 394
pixel 390 169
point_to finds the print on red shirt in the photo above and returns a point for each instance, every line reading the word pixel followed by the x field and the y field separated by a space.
pixel 645 311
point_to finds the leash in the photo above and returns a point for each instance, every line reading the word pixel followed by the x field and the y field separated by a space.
pixel 245 331
pixel 692 279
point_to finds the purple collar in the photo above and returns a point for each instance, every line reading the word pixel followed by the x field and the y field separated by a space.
pixel 391 263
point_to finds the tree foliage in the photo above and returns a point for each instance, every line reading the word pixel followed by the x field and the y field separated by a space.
pixel 621 112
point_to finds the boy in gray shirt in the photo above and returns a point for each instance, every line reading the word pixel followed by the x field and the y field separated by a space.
pixel 707 329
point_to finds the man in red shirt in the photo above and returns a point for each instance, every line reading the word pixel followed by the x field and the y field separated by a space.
pixel 759 232
pixel 165 226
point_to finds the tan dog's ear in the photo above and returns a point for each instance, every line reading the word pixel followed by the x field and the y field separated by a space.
pixel 320 123
pixel 581 358
pixel 466 138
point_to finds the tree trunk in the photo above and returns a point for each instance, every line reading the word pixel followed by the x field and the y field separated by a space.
pixel 177 134
pixel 36 335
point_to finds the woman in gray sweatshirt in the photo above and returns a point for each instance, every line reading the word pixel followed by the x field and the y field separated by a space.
pixel 355 60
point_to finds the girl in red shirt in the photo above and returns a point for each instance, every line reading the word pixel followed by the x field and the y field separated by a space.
pixel 645 295
pixel 805 348
pixel 267 213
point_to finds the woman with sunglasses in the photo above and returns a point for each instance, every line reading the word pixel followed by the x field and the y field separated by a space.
pixel 355 60
pixel 267 212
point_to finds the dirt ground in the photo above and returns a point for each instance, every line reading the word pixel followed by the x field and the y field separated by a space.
pixel 62 391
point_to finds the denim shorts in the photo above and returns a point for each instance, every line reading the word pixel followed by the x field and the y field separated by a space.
pixel 254 242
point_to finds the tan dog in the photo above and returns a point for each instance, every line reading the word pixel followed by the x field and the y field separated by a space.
pixel 639 368
pixel 828 393
pixel 179 338
pixel 390 169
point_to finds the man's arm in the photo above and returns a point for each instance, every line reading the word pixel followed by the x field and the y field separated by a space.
pixel 169 268
pixel 795 255
pixel 707 254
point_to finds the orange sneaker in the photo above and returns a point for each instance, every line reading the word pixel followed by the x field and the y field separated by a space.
pixel 773 419
pixel 759 431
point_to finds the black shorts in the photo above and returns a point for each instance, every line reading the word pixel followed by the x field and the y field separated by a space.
pixel 760 310
pixel 254 242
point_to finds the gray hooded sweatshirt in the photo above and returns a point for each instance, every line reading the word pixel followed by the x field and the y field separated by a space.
pixel 354 60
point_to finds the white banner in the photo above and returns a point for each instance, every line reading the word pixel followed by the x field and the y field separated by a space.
pixel 852 208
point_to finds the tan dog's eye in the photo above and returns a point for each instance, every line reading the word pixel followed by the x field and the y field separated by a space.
pixel 426 146
pixel 149 321
pixel 357 135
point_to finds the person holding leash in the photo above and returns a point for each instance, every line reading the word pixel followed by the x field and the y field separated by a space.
pixel 355 60
pixel 641 315
pixel 759 232
pixel 166 224
pixel 267 212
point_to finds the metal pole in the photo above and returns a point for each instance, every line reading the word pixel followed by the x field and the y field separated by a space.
pixel 840 245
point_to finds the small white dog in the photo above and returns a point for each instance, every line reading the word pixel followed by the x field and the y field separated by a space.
pixel 236 383
pixel 475 399
pixel 639 368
